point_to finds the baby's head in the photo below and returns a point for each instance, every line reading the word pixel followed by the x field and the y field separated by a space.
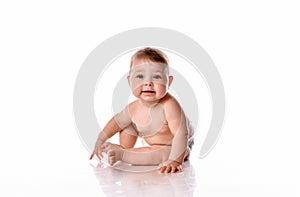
pixel 149 55
pixel 149 74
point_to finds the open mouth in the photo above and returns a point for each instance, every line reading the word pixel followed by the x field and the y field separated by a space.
pixel 148 92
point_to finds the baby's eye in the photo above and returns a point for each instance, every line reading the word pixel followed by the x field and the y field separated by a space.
pixel 157 77
pixel 139 76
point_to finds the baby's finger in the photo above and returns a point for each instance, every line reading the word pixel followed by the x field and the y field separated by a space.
pixel 179 168
pixel 99 156
pixel 168 169
pixel 162 169
pixel 173 169
pixel 92 155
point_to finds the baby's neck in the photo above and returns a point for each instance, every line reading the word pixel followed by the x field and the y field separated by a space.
pixel 149 104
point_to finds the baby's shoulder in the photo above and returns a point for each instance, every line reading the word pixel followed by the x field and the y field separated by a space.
pixel 172 109
pixel 132 106
pixel 169 102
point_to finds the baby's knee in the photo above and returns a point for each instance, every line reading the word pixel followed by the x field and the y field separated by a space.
pixel 128 137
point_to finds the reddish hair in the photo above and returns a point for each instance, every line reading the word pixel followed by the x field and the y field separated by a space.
pixel 152 54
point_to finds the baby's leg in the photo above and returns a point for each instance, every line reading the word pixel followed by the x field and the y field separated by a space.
pixel 128 137
pixel 152 155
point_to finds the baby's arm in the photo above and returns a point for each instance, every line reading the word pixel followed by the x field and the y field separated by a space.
pixel 114 125
pixel 177 124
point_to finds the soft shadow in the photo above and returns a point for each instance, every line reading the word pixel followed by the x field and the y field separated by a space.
pixel 116 182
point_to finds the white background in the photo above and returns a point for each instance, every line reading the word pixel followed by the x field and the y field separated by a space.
pixel 254 44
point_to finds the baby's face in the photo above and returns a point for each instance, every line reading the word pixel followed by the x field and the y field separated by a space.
pixel 149 81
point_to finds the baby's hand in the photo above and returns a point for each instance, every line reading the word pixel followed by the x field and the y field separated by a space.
pixel 170 167
pixel 97 151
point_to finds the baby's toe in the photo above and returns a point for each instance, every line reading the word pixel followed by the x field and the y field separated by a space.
pixel 112 160
pixel 111 153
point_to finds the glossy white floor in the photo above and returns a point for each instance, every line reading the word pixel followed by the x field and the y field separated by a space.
pixel 135 181
pixel 208 177
pixel 145 181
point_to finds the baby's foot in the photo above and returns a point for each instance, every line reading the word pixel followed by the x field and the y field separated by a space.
pixel 114 152
pixel 115 155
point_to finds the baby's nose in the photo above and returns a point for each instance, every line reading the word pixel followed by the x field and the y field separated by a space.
pixel 148 83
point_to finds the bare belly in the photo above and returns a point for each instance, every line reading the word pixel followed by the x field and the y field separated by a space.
pixel 162 137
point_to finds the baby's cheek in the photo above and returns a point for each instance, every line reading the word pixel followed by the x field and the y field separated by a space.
pixel 161 87
pixel 136 84
pixel 161 82
pixel 136 91
pixel 136 87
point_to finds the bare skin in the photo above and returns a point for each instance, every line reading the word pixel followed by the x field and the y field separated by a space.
pixel 115 153
pixel 150 95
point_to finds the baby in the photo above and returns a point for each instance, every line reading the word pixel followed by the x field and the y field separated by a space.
pixel 156 116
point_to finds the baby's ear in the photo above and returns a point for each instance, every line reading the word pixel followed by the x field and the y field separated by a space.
pixel 170 80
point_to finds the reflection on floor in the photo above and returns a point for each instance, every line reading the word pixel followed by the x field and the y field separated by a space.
pixel 126 180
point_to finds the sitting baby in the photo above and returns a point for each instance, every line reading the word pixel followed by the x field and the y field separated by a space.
pixel 156 116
